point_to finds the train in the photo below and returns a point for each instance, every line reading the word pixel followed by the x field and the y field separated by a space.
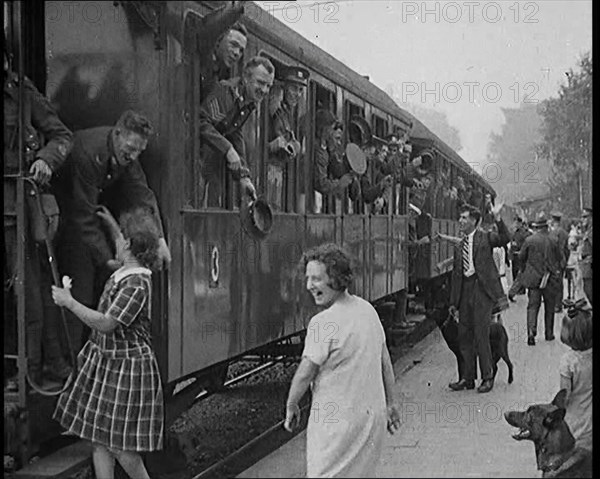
pixel 228 293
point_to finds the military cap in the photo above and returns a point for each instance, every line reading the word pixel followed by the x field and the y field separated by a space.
pixel 588 210
pixel 294 74
pixel 556 215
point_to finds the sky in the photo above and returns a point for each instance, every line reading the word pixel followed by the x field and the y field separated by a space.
pixel 468 59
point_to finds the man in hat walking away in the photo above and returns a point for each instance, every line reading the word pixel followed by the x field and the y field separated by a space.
pixel 558 234
pixel 544 263
pixel 585 253
pixel 283 145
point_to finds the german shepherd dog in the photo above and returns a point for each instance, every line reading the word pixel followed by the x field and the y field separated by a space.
pixel 555 449
pixel 498 340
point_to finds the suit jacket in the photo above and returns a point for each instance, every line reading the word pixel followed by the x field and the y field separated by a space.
pixel 483 259
pixel 540 254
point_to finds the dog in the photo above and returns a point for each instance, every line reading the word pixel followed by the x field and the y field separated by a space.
pixel 498 341
pixel 555 449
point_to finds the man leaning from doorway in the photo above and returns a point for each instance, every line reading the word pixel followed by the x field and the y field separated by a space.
pixel 222 115
pixel 103 167
pixel 476 287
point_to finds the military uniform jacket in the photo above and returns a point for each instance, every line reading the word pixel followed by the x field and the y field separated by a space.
pixel 211 73
pixel 370 182
pixel 483 260
pixel 329 168
pixel 281 124
pixel 90 171
pixel 540 254
pixel 222 116
pixel 40 118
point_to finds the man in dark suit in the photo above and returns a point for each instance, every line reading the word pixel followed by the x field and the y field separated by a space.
pixel 558 234
pixel 476 287
pixel 539 255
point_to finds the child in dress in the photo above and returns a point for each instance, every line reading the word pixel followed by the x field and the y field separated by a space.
pixel 576 371
pixel 116 401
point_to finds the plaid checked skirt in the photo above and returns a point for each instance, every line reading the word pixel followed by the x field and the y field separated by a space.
pixel 116 400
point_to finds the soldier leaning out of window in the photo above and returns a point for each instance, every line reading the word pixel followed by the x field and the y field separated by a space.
pixel 222 115
pixel 332 174
pixel 375 183
pixel 283 145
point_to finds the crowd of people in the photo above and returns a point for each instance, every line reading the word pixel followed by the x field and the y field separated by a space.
pixel 351 368
pixel 106 256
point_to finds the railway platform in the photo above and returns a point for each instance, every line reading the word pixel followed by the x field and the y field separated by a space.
pixel 453 434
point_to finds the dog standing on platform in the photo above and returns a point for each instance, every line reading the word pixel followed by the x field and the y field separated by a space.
pixel 498 341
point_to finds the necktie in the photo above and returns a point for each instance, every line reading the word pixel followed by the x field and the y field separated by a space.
pixel 465 254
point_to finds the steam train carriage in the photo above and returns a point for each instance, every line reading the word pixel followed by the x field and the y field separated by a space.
pixel 226 292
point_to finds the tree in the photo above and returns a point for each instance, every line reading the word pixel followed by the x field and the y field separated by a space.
pixel 567 137
pixel 513 168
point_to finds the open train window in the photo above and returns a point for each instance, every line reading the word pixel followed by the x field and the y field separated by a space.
pixel 379 125
pixel 220 190
pixel 322 99
pixel 286 109
pixel 353 135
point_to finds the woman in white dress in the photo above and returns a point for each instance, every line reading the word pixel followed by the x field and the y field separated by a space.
pixel 346 361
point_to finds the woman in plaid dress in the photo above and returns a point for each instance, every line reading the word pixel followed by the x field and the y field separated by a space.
pixel 117 401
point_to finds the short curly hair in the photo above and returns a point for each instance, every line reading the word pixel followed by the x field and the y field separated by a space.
pixel 577 330
pixel 139 227
pixel 338 264
pixel 136 123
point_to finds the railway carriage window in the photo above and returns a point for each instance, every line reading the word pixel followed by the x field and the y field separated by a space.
pixel 328 179
pixel 357 132
pixel 286 100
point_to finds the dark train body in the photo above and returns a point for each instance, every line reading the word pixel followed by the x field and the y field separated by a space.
pixel 227 293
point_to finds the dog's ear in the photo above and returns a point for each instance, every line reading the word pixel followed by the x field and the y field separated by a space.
pixel 560 399
pixel 554 417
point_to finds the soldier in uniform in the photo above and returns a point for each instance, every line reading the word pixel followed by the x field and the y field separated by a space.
pixel 376 181
pixel 585 253
pixel 103 168
pixel 283 145
pixel 222 116
pixel 39 118
pixel 218 64
pixel 558 233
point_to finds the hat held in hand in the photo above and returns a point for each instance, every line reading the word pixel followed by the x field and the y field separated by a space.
pixel 256 217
